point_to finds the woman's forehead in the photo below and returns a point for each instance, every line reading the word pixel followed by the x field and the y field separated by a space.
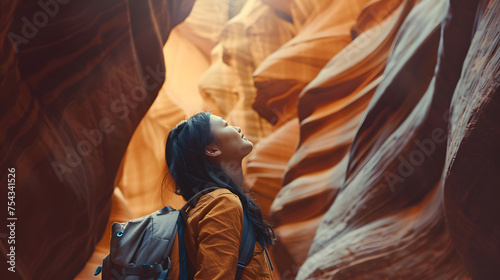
pixel 218 120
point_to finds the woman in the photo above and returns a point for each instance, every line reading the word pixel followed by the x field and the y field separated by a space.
pixel 205 151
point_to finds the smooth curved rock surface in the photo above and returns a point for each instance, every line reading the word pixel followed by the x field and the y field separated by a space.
pixel 73 92
pixel 280 78
pixel 398 155
pixel 245 41
pixel 470 174
pixel 330 109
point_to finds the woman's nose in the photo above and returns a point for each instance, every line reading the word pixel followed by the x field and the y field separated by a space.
pixel 238 128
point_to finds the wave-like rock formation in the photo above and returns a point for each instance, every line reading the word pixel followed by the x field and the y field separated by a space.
pixel 228 86
pixel 324 29
pixel 76 78
pixel 470 174
pixel 393 215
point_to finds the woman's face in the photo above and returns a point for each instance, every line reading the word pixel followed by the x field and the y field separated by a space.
pixel 230 143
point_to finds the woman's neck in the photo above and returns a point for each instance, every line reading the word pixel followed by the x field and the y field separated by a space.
pixel 234 171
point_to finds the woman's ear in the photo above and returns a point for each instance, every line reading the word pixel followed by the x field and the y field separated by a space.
pixel 212 151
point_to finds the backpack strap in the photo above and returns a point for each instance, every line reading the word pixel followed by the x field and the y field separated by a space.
pixel 268 257
pixel 247 246
pixel 183 265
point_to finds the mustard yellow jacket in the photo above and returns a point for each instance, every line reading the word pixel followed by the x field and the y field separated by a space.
pixel 213 236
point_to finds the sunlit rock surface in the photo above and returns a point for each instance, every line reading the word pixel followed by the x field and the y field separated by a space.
pixel 245 41
pixel 280 78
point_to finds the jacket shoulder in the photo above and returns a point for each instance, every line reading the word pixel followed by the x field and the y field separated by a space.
pixel 221 192
pixel 222 196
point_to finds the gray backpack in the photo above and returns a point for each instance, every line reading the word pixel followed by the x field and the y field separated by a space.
pixel 140 248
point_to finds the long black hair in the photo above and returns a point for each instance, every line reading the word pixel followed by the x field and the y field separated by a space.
pixel 192 171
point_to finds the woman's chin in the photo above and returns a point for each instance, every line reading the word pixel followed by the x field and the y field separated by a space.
pixel 246 148
pixel 250 144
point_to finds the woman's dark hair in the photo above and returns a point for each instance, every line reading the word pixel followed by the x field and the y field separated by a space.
pixel 192 171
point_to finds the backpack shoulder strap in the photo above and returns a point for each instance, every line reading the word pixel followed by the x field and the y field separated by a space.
pixel 247 246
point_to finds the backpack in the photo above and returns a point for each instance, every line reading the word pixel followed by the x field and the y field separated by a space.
pixel 140 248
